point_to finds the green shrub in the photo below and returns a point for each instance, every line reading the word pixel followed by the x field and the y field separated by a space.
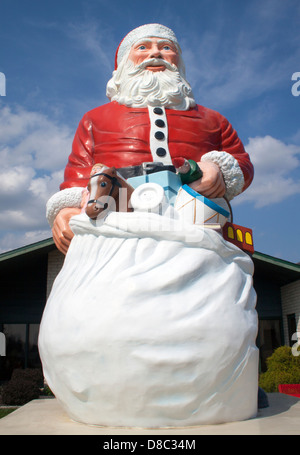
pixel 23 387
pixel 46 391
pixel 282 368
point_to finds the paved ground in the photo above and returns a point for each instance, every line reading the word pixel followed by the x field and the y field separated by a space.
pixel 45 417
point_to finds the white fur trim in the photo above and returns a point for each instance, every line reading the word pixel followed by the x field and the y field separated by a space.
pixel 232 173
pixel 70 197
pixel 145 31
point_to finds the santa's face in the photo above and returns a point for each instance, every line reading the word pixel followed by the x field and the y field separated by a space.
pixel 151 73
pixel 154 48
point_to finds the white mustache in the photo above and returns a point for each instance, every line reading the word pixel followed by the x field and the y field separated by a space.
pixel 157 62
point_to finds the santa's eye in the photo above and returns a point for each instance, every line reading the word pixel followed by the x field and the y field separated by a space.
pixel 142 47
pixel 167 48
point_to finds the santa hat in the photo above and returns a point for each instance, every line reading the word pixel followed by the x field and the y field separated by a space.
pixel 144 31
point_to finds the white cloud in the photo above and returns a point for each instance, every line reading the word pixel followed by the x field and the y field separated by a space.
pixel 43 187
pixel 275 178
pixel 14 180
pixel 23 206
pixel 33 151
pixel 32 139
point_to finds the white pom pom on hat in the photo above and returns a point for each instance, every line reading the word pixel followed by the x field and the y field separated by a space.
pixel 144 31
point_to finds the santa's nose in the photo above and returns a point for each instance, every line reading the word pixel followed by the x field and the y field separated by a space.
pixel 155 53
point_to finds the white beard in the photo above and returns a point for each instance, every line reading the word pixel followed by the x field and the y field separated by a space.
pixel 134 86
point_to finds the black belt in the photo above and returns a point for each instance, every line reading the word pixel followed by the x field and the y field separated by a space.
pixel 144 169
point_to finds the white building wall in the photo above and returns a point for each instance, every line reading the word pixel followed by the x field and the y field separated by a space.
pixel 290 297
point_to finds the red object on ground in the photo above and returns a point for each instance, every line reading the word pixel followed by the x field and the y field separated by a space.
pixel 290 389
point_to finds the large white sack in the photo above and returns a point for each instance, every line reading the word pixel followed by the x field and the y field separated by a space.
pixel 151 325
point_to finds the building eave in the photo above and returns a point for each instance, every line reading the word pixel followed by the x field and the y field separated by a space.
pixel 38 246
pixel 275 269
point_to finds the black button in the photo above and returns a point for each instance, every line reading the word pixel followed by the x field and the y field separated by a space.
pixel 159 135
pixel 161 152
pixel 158 111
pixel 160 123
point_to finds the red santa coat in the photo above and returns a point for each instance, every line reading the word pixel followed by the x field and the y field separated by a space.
pixel 117 135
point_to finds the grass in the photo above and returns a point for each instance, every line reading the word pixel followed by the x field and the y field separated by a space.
pixel 5 411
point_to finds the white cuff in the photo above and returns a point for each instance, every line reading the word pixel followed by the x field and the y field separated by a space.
pixel 70 197
pixel 232 173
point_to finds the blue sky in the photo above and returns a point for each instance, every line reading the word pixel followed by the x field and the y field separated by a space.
pixel 57 57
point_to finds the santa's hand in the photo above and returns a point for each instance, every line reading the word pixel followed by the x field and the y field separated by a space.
pixel 62 234
pixel 212 184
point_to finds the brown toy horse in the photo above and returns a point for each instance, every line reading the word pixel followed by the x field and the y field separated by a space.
pixel 108 191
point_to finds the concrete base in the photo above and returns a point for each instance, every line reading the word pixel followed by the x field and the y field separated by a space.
pixel 46 417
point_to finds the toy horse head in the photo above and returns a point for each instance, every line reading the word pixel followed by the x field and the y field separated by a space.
pixel 106 189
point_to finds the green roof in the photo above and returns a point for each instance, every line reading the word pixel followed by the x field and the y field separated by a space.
pixel 276 261
pixel 277 270
pixel 27 249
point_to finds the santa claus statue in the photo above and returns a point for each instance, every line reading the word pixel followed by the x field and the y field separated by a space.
pixel 148 89
pixel 151 322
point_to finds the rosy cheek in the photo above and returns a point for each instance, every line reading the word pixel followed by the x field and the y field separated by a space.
pixel 175 60
pixel 136 59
